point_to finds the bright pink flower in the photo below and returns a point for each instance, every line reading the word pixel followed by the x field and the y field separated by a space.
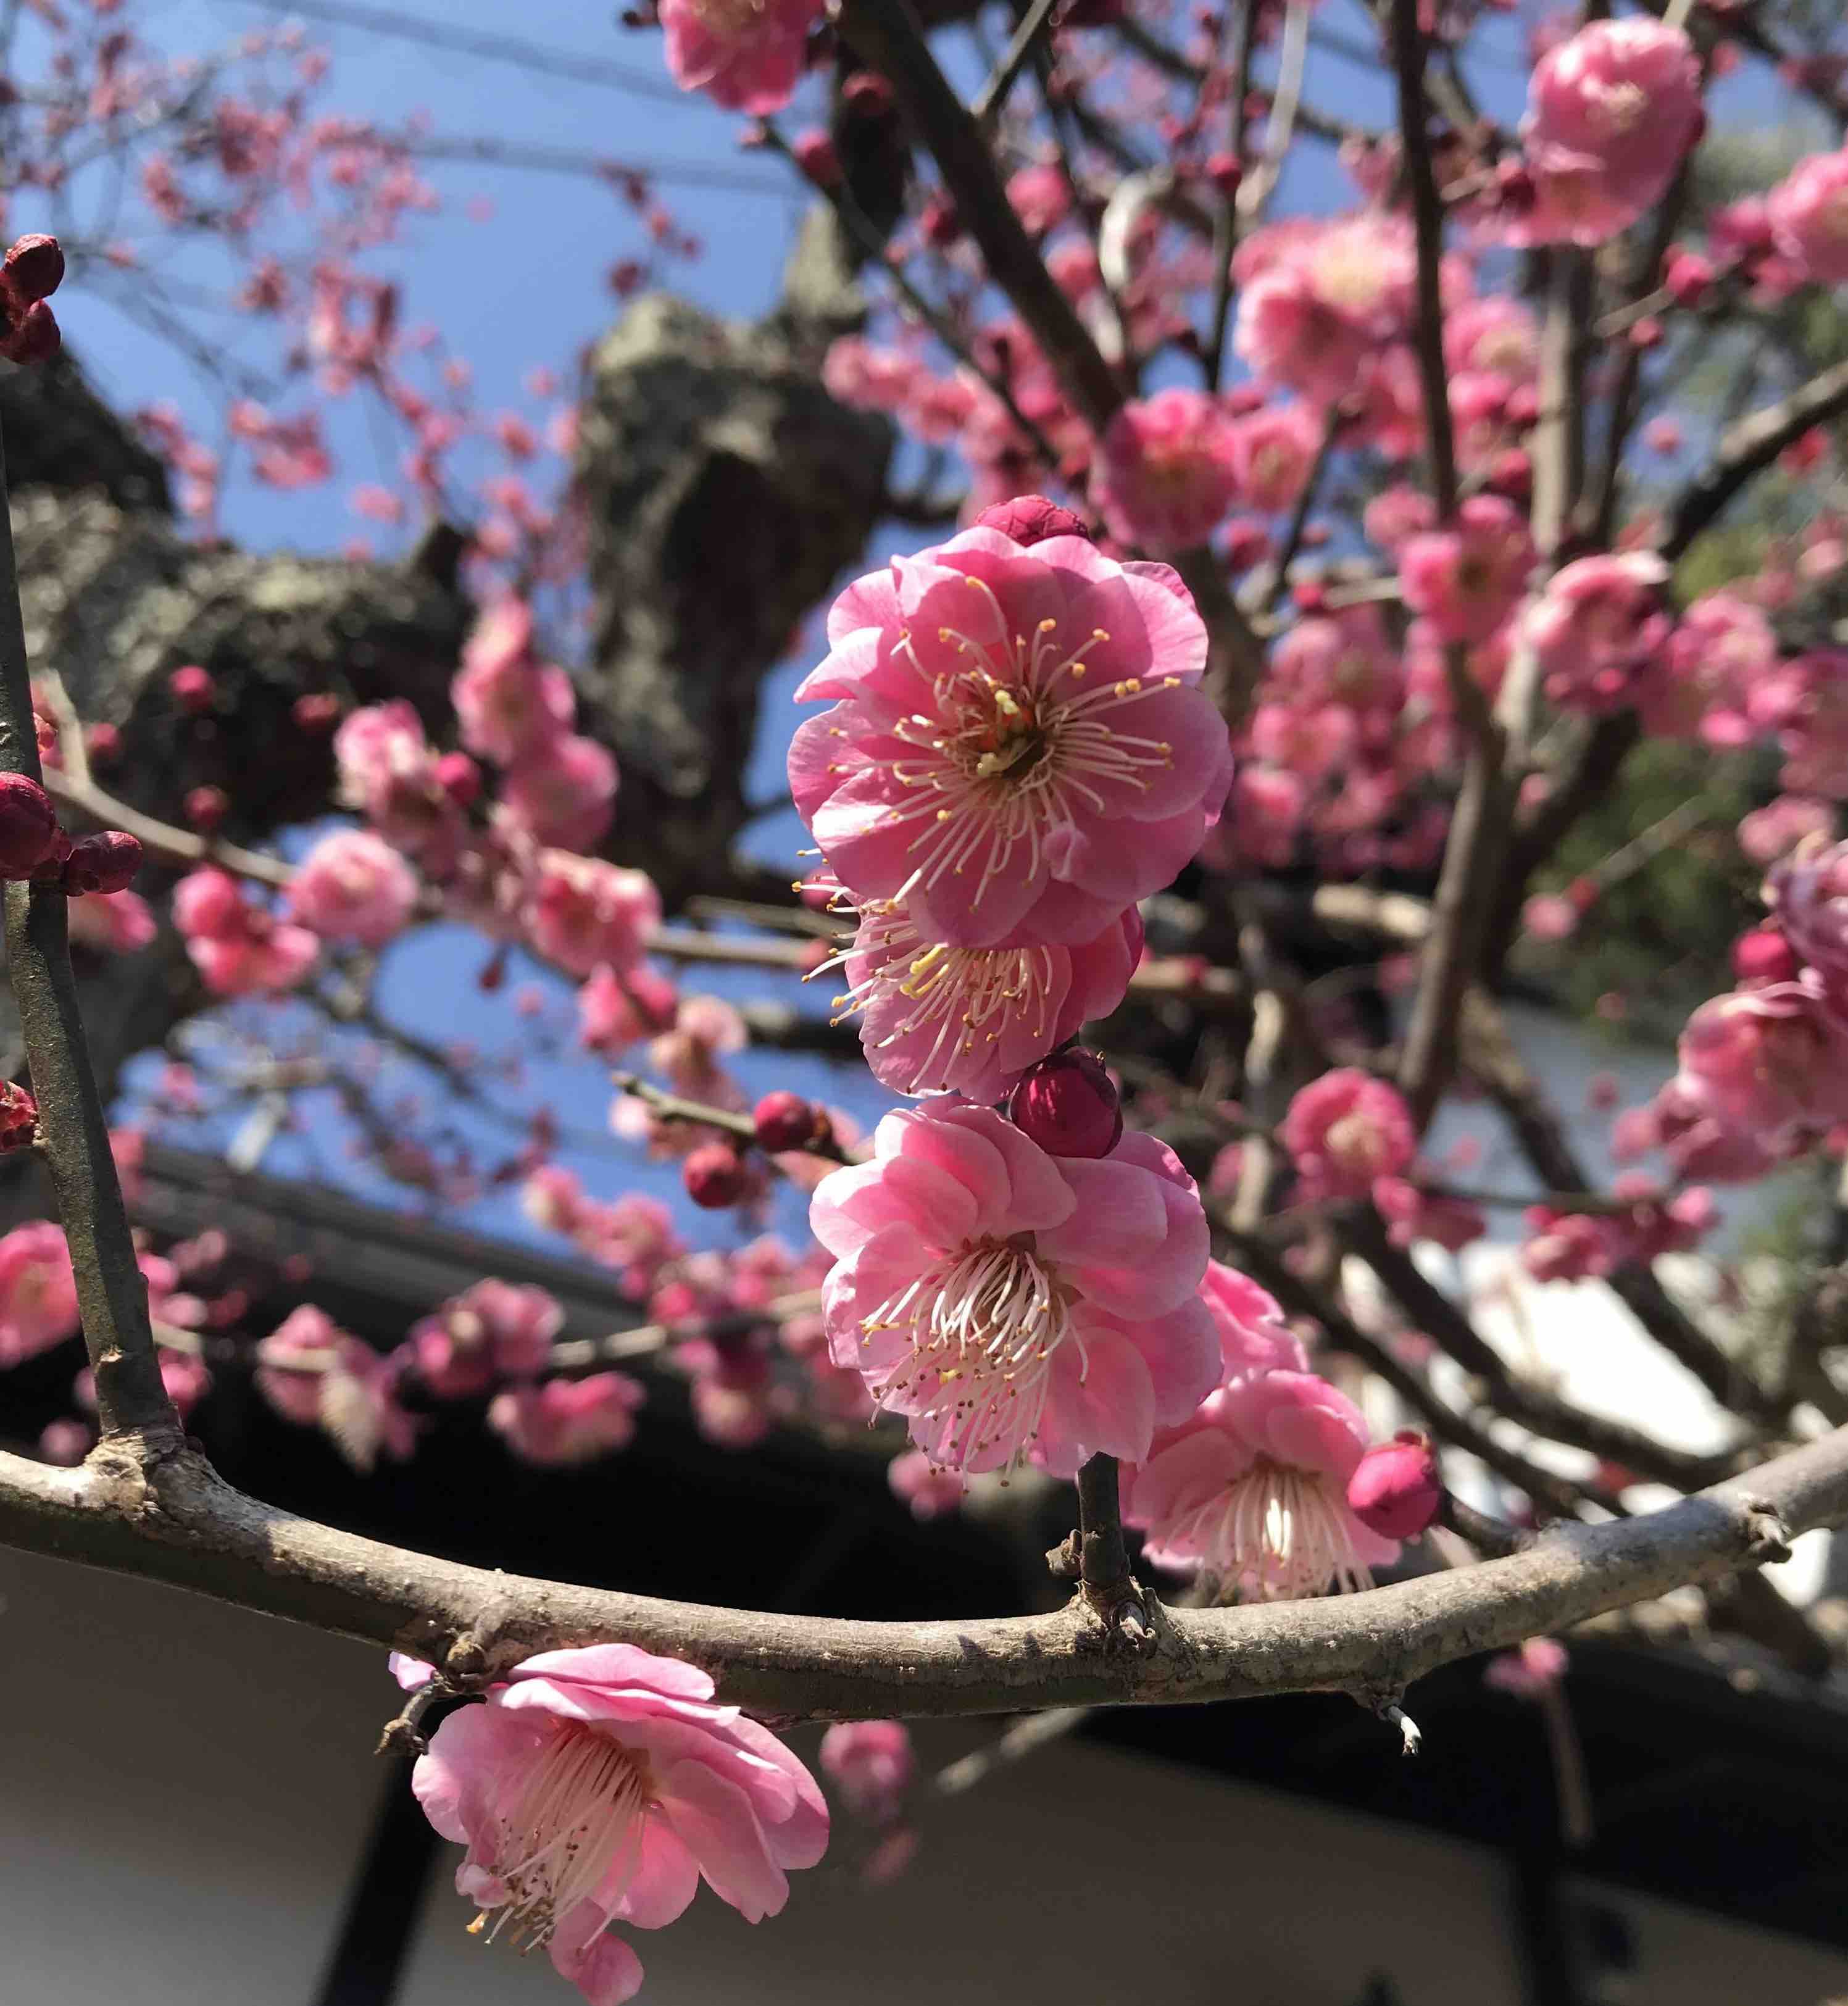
pixel 237 947
pixel 1769 1063
pixel 929 1491
pixel 1041 197
pixel 584 913
pixel 507 702
pixel 351 886
pixel 1344 1130
pixel 562 792
pixel 748 55
pixel 561 1423
pixel 1003 1300
pixel 114 922
pixel 1599 629
pixel 1467 579
pixel 1253 1335
pixel 1018 751
pixel 1809 892
pixel 388 772
pixel 1723 647
pixel 615 1011
pixel 38 1292
pixel 1807 212
pixel 869 1762
pixel 599 1785
pixel 1611 113
pixel 1252 1489
pixel 313 1373
pixel 936 1019
pixel 1496 334
pixel 493 1330
pixel 1343 657
pixel 1165 476
pixel 1273 451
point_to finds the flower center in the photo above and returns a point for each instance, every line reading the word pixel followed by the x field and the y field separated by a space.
pixel 726 19
pixel 1275 1534
pixel 1355 1141
pixel 572 1823
pixel 981 1327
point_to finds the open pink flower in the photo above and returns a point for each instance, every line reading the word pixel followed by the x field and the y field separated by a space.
pixel 1165 476
pixel 38 1292
pixel 1018 749
pixel 1611 113
pixel 748 55
pixel 1253 1488
pixel 869 1762
pixel 600 1786
pixel 237 947
pixel 351 886
pixel 561 1423
pixel 115 922
pixel 1005 1301
pixel 1770 1063
pixel 1600 629
pixel 1807 212
pixel 1273 451
pixel 562 790
pixel 1809 890
pixel 1467 579
pixel 936 1019
pixel 387 770
pixel 493 1330
pixel 615 1011
pixel 507 702
pixel 583 914
pixel 313 1373
pixel 1253 1335
pixel 1344 1130
pixel 1722 649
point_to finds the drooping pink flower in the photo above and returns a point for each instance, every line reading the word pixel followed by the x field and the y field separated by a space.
pixel 1599 629
pixel 494 1330
pixel 352 886
pixel 1004 1300
pixel 1165 475
pixel 1808 890
pixel 1396 1488
pixel 869 1762
pixel 1018 750
pixel 1344 1129
pixel 938 1019
pixel 583 914
pixel 1253 1335
pixel 1467 578
pixel 747 55
pixel 599 1785
pixel 1252 1488
pixel 507 700
pixel 1807 212
pixel 561 1423
pixel 313 1373
pixel 38 1292
pixel 1611 111
pixel 562 791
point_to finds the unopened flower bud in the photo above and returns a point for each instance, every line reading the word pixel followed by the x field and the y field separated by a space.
pixel 318 711
pixel 28 825
pixel 18 1116
pixel 867 93
pixel 1687 277
pixel 33 268
pixel 1764 955
pixel 1224 173
pixel 1311 596
pixel 1396 1491
pixel 106 862
pixel 192 689
pixel 460 778
pixel 34 337
pixel 1031 518
pixel 715 1176
pixel 103 744
pixel 813 152
pixel 205 808
pixel 785 1120
pixel 1068 1104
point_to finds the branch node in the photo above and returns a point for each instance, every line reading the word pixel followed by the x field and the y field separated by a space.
pixel 1410 1739
pixel 1767 1536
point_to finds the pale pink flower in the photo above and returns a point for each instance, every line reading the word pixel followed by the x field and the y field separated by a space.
pixel 507 702
pixel 1808 891
pixel 1599 629
pixel 869 378
pixel 1396 515
pixel 1019 749
pixel 929 1492
pixel 561 792
pixel 1005 1301
pixel 1343 657
pixel 599 1785
pixel 1041 197
pixel 615 1011
pixel 38 1292
pixel 1807 212
pixel 352 886
pixel 1344 1130
pixel 747 55
pixel 494 1330
pixel 1165 474
pixel 1769 1063
pixel 114 922
pixel 1253 1335
pixel 1467 579
pixel 1273 451
pixel 1312 739
pixel 561 1423
pixel 237 947
pixel 1721 649
pixel 1252 1488
pixel 1289 336
pixel 936 1019
pixel 312 1372
pixel 582 913
pixel 1496 334
pixel 388 772
pixel 869 1762
pixel 1611 113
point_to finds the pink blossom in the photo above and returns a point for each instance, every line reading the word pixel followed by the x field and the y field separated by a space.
pixel 1611 113
pixel 561 1423
pixel 387 770
pixel 1273 451
pixel 598 1786
pixel 615 1011
pixel 38 1292
pixel 1253 1335
pixel 186 1378
pixel 1599 629
pixel 508 703
pixel 65 1442
pixel 1496 334
pixel 1769 1063
pixel 313 1373
pixel 1041 197
pixel 1412 1214
pixel 1535 1670
pixel 237 947
pixel 938 1020
pixel 1252 1489
pixel 1344 1130
pixel 583 914
pixel 113 922
pixel 1003 1300
pixel 1165 475
pixel 869 1762
pixel 351 886
pixel 1343 657
pixel 1019 749
pixel 1318 300
pixel 562 791
pixel 747 55
pixel 1808 891
pixel 493 1330
pixel 929 1491
pixel 1396 515
pixel 1467 579
pixel 1807 212
pixel 1723 647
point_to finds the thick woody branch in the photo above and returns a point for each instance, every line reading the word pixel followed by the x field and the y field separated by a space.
pixel 172 1520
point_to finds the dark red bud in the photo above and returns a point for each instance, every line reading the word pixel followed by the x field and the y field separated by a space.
pixel 1068 1103
pixel 33 268
pixel 715 1176
pixel 103 744
pixel 1224 172
pixel 460 778
pixel 1031 518
pixel 785 1120
pixel 34 337
pixel 318 711
pixel 1396 1491
pixel 192 689
pixel 205 808
pixel 19 1115
pixel 28 825
pixel 106 862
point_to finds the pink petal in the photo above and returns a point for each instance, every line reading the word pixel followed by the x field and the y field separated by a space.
pixel 714 1819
